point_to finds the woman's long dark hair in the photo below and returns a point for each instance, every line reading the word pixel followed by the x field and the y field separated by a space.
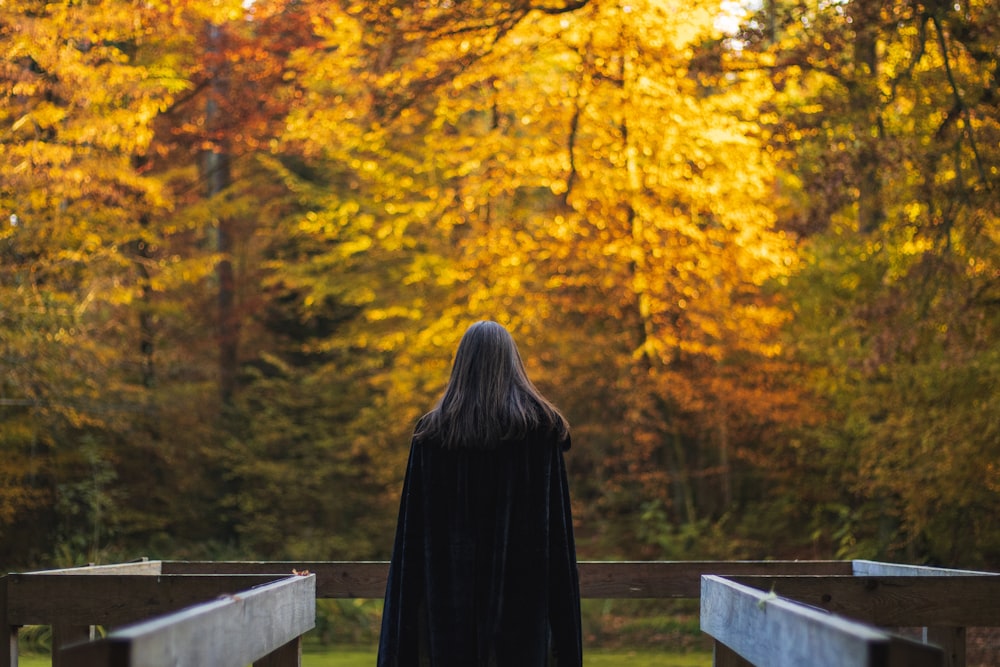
pixel 489 398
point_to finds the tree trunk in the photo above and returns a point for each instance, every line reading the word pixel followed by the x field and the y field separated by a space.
pixel 217 174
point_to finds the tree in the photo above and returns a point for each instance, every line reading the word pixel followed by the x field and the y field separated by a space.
pixel 540 187
pixel 895 299
pixel 78 106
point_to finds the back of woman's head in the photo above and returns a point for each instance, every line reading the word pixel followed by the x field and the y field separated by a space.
pixel 489 398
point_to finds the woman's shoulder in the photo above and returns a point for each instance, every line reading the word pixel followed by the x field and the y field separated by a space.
pixel 425 424
pixel 429 432
pixel 549 434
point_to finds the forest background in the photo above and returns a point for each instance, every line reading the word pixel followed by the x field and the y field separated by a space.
pixel 750 250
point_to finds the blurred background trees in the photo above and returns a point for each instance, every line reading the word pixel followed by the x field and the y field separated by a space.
pixel 750 250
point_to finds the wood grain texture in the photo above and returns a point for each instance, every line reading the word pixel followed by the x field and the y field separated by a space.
pixel 112 600
pixel 334 579
pixel 232 631
pixel 681 579
pixel 885 594
pixel 142 566
pixel 771 631
pixel 894 601
pixel 598 579
pixel 871 568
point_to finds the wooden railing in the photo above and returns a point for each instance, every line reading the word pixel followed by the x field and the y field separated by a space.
pixel 942 602
pixel 784 603
pixel 262 626
pixel 752 627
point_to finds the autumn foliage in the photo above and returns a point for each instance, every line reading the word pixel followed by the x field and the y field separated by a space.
pixel 753 255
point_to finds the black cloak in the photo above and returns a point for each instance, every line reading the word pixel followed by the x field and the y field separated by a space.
pixel 483 570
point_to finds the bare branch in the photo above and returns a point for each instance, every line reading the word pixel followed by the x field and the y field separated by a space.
pixel 959 103
pixel 568 7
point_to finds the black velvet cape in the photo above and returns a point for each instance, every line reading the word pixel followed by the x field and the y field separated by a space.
pixel 483 570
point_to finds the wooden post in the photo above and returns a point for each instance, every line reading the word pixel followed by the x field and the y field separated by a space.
pixel 951 641
pixel 8 655
pixel 67 635
pixel 723 656
pixel 289 655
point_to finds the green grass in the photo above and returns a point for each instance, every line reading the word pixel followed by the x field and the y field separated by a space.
pixel 33 660
pixel 366 658
pixel 596 658
pixel 645 658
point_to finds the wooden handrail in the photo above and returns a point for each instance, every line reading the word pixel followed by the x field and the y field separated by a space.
pixel 141 566
pixel 598 579
pixel 232 631
pixel 766 630
pixel 73 600
pixel 901 601
pixel 871 568
pixel 114 600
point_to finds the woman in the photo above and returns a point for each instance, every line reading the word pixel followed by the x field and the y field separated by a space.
pixel 483 570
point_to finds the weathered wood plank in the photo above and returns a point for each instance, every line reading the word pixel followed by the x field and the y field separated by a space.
pixel 769 630
pixel 142 566
pixel 871 568
pixel 112 600
pixel 232 631
pixel 893 601
pixel 681 579
pixel 334 579
pixel 598 579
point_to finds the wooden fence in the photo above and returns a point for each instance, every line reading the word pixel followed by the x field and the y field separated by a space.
pixel 263 626
pixel 774 613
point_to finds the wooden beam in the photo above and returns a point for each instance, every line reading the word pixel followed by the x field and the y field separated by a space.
pixel 97 654
pixel 894 601
pixel 67 635
pixel 334 579
pixel 142 566
pixel 289 655
pixel 112 600
pixel 233 631
pixel 871 568
pixel 598 579
pixel 765 629
pixel 952 643
pixel 681 579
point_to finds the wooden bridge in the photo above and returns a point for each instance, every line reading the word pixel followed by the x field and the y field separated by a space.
pixel 763 613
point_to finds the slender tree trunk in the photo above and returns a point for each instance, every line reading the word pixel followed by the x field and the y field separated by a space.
pixel 864 100
pixel 671 439
pixel 218 177
pixel 147 345
pixel 772 20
